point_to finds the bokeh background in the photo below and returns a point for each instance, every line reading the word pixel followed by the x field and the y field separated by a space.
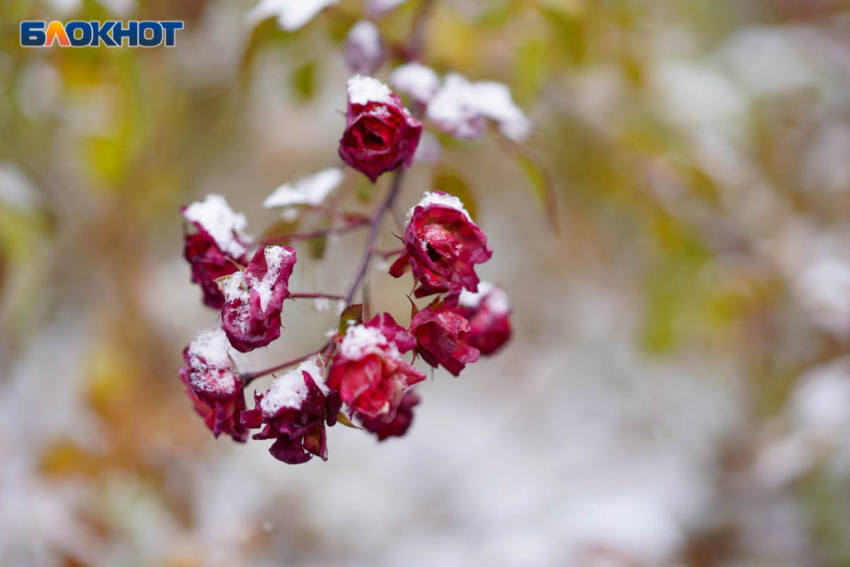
pixel 677 392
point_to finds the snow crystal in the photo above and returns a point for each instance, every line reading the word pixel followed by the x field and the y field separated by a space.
pixel 219 220
pixel 311 190
pixel 441 199
pixel 322 304
pixel 275 256
pixel 493 297
pixel 363 90
pixel 360 340
pixel 459 106
pixel 208 354
pixel 417 80
pixel 291 14
pixel 289 390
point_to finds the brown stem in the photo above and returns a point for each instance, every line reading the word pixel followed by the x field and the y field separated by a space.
pixel 316 296
pixel 417 35
pixel 315 233
pixel 375 224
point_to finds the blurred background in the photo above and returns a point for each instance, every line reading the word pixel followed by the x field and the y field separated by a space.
pixel 677 392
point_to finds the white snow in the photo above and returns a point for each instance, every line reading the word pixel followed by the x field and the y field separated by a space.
pixel 219 220
pixel 495 299
pixel 238 286
pixel 360 340
pixel 417 80
pixel 16 190
pixel 460 107
pixel 291 14
pixel 441 199
pixel 364 50
pixel 289 390
pixel 210 362
pixel 311 191
pixel 363 90
pixel 823 288
pixel 322 304
pixel 275 255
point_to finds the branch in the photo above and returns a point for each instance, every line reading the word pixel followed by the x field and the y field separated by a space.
pixel 375 224
pixel 249 377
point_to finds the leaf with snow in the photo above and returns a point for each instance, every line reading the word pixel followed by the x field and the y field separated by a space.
pixel 416 80
pixel 310 191
pixel 460 108
pixel 291 14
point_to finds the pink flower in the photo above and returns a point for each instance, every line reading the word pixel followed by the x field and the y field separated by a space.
pixel 380 134
pixel 442 336
pixel 488 312
pixel 254 298
pixel 442 244
pixel 397 426
pixel 368 369
pixel 218 246
pixel 294 410
pixel 213 384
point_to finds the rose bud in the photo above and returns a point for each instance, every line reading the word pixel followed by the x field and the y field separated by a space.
pixel 380 134
pixel 397 426
pixel 364 50
pixel 368 369
pixel 488 313
pixel 254 298
pixel 213 384
pixel 294 411
pixel 441 245
pixel 442 338
pixel 218 246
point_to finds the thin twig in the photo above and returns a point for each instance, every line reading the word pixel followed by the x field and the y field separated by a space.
pixel 373 235
pixel 316 296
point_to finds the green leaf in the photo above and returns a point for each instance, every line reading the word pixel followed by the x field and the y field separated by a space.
pixel 316 247
pixel 303 81
pixel 452 183
pixel 353 315
pixel 343 419
pixel 541 182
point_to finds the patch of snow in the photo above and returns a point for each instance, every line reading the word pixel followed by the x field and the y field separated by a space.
pixel 363 90
pixel 311 190
pixel 291 14
pixel 417 80
pixel 360 341
pixel 209 359
pixel 439 199
pixel 289 390
pixel 219 220
pixel 493 297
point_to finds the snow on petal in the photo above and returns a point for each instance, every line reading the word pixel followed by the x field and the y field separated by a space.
pixel 363 90
pixel 218 219
pixel 311 190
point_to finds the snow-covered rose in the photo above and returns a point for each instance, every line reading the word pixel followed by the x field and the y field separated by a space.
pixel 213 384
pixel 254 298
pixel 293 412
pixel 380 134
pixel 488 313
pixel 216 248
pixel 368 369
pixel 441 245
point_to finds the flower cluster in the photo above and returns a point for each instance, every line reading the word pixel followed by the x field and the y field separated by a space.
pixel 365 373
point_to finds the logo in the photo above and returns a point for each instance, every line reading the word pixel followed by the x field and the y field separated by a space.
pixel 80 33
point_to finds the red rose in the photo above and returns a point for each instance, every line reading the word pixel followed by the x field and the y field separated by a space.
pixel 213 384
pixel 397 426
pixel 442 336
pixel 218 246
pixel 488 312
pixel 368 369
pixel 294 410
pixel 442 244
pixel 380 134
pixel 254 298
